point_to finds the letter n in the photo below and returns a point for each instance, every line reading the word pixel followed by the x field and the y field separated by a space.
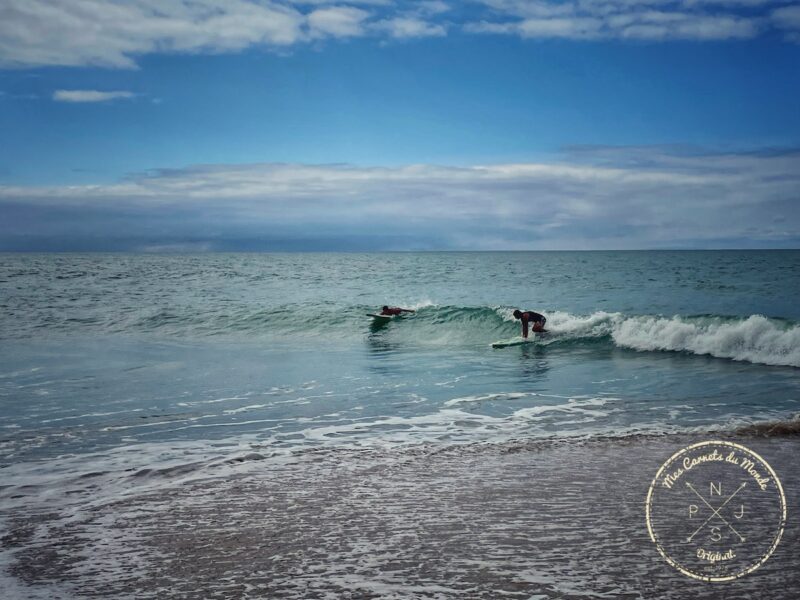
pixel 716 489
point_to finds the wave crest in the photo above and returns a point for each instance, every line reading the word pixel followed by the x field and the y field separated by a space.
pixel 755 339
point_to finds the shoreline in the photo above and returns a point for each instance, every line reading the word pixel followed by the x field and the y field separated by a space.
pixel 521 519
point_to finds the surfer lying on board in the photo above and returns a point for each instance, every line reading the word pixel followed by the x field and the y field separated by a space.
pixel 529 316
pixel 393 310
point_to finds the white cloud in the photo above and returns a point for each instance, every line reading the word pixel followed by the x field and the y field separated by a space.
pixel 530 8
pixel 89 95
pixel 787 17
pixel 575 28
pixel 788 20
pixel 114 33
pixel 432 7
pixel 583 201
pixel 487 27
pixel 652 20
pixel 337 2
pixel 337 21
pixel 411 27
pixel 651 26
pixel 685 26
pixel 729 3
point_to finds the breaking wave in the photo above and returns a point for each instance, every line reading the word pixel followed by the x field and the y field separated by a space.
pixel 755 339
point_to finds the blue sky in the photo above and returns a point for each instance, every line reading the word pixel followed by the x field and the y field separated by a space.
pixel 493 124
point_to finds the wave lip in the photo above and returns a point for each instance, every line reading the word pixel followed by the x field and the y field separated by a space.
pixel 756 339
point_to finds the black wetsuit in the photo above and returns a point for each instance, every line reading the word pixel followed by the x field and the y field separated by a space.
pixel 531 317
pixel 534 317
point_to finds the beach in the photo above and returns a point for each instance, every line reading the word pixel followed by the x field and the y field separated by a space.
pixel 515 520
pixel 399 300
pixel 223 426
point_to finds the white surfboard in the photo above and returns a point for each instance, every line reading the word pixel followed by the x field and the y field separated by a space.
pixel 381 318
pixel 518 341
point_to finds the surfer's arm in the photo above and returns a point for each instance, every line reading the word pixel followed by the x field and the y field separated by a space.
pixel 524 326
pixel 407 310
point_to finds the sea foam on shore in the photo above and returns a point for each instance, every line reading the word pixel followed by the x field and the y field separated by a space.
pixel 526 519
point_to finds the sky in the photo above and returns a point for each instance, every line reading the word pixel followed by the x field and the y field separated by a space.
pixel 270 125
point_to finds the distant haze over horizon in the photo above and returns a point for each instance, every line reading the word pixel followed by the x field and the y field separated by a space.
pixel 375 125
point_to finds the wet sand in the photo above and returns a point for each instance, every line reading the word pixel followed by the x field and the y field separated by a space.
pixel 513 520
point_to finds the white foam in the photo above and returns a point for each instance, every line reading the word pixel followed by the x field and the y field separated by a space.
pixel 14 589
pixel 755 339
pixel 597 324
pixel 489 398
pixel 234 411
pixel 421 304
pixel 213 400
pixel 574 405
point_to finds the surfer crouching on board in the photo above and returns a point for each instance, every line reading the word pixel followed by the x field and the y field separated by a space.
pixel 529 316
pixel 393 310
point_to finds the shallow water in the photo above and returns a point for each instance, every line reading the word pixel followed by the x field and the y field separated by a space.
pixel 513 520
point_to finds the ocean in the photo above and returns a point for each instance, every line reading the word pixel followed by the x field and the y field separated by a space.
pixel 148 394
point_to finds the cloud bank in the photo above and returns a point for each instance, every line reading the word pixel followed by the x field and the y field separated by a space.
pixel 89 95
pixel 650 20
pixel 113 33
pixel 593 198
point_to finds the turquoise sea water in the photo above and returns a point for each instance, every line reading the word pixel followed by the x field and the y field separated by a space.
pixel 119 372
pixel 275 351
